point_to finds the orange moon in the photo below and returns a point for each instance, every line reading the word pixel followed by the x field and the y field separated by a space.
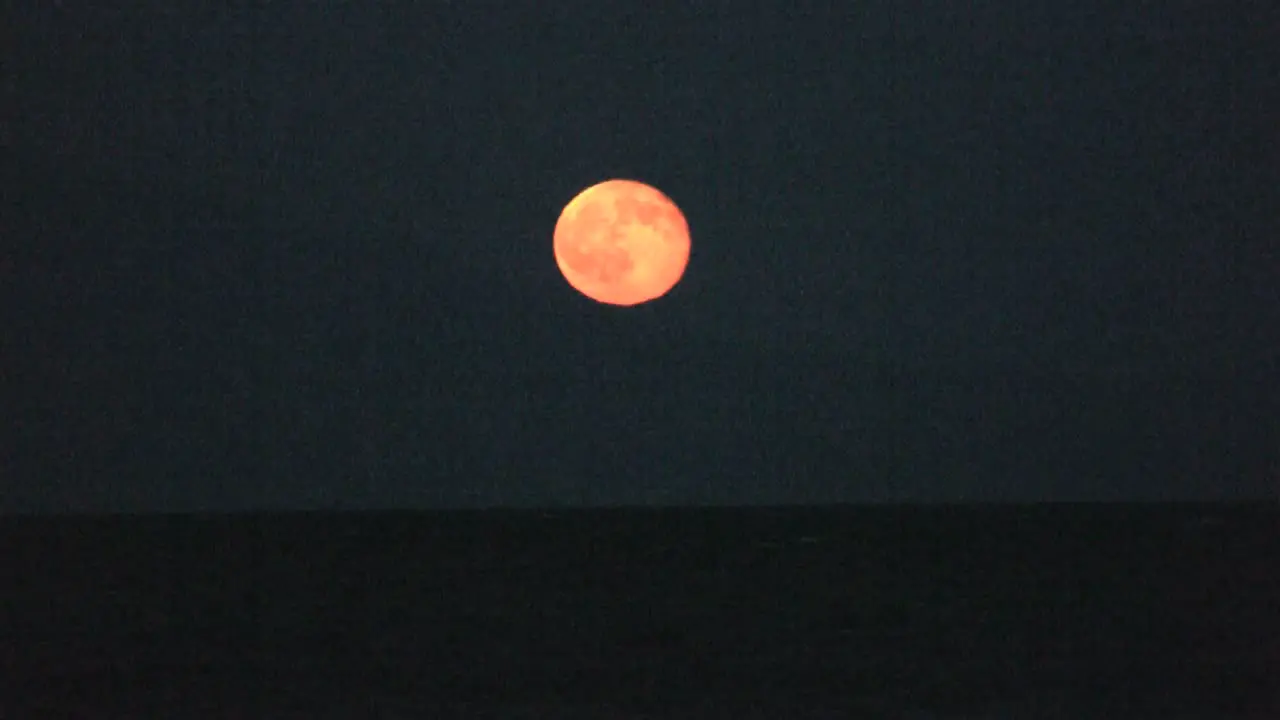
pixel 622 242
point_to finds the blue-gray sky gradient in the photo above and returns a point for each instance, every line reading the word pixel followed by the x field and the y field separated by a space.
pixel 300 257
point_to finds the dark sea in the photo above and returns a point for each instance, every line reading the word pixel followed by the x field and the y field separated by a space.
pixel 1049 611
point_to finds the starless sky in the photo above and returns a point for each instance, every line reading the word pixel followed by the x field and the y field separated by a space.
pixel 298 254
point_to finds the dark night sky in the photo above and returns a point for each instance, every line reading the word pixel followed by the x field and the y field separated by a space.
pixel 300 256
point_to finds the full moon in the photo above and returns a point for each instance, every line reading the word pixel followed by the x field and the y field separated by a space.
pixel 622 242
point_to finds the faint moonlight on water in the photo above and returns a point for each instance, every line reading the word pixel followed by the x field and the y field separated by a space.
pixel 622 242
